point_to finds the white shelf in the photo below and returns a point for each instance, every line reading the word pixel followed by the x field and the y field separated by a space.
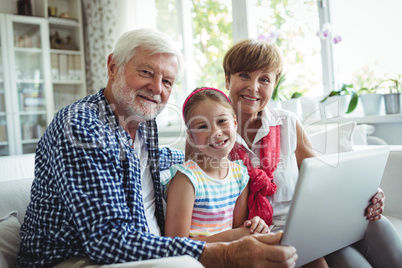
pixel 60 22
pixel 30 81
pixel 67 82
pixel 30 141
pixel 65 51
pixel 370 119
pixel 39 112
pixel 28 49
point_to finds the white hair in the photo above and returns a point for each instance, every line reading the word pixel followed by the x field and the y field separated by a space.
pixel 150 39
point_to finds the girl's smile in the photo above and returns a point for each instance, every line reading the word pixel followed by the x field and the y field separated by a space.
pixel 212 129
pixel 219 145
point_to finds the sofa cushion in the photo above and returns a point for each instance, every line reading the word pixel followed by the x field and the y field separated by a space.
pixel 397 222
pixel 331 138
pixel 15 196
pixel 10 239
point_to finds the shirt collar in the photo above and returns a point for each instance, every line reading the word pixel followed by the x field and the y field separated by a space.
pixel 113 122
pixel 269 117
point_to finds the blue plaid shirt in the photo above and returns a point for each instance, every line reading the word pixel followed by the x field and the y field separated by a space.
pixel 86 196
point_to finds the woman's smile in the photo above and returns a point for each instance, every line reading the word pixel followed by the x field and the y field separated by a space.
pixel 249 98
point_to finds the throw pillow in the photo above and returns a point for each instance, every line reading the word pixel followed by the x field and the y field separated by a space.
pixel 333 138
pixel 10 239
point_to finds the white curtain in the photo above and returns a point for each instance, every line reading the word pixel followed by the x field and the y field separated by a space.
pixel 100 20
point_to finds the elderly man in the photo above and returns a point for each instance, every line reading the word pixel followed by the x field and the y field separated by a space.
pixel 96 196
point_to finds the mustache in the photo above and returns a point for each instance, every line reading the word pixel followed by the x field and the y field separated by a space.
pixel 149 95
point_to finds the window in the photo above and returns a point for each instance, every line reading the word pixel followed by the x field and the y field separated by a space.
pixel 292 25
pixel 204 27
pixel 212 37
pixel 168 20
pixel 369 50
pixel 372 40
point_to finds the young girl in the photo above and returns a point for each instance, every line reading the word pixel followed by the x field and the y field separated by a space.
pixel 207 197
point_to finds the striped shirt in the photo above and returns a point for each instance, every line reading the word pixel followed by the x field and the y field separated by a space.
pixel 214 199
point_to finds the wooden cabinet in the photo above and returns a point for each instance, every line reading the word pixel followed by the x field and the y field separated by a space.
pixel 41 71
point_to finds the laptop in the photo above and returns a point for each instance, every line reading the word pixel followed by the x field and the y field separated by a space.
pixel 328 206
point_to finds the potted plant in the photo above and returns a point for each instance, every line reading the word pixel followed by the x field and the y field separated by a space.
pixel 285 101
pixel 275 101
pixel 293 104
pixel 370 99
pixel 339 102
pixel 392 99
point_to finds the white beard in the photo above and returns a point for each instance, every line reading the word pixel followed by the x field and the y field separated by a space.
pixel 134 108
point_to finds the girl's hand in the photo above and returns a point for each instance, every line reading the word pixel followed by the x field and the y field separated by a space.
pixel 257 225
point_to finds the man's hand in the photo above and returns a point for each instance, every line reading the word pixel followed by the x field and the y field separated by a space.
pixel 376 208
pixel 259 250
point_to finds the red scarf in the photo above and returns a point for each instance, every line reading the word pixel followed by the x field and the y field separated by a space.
pixel 261 177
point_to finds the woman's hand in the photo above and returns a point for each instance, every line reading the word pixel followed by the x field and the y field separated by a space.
pixel 257 225
pixel 376 208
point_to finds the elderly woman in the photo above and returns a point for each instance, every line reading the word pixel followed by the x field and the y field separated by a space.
pixel 274 139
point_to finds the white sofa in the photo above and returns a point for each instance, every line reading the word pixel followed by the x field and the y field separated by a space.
pixel 16 175
pixel 17 172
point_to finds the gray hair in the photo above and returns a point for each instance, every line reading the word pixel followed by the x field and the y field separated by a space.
pixel 150 39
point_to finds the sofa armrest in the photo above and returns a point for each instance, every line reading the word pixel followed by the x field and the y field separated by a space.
pixel 17 167
pixel 15 196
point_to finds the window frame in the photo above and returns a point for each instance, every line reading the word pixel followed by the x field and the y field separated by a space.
pixel 329 79
pixel 243 27
pixel 242 12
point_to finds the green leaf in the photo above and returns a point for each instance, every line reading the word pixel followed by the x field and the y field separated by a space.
pixel 363 90
pixel 353 101
pixel 277 87
pixel 344 90
pixel 348 86
pixel 296 95
pixel 334 93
